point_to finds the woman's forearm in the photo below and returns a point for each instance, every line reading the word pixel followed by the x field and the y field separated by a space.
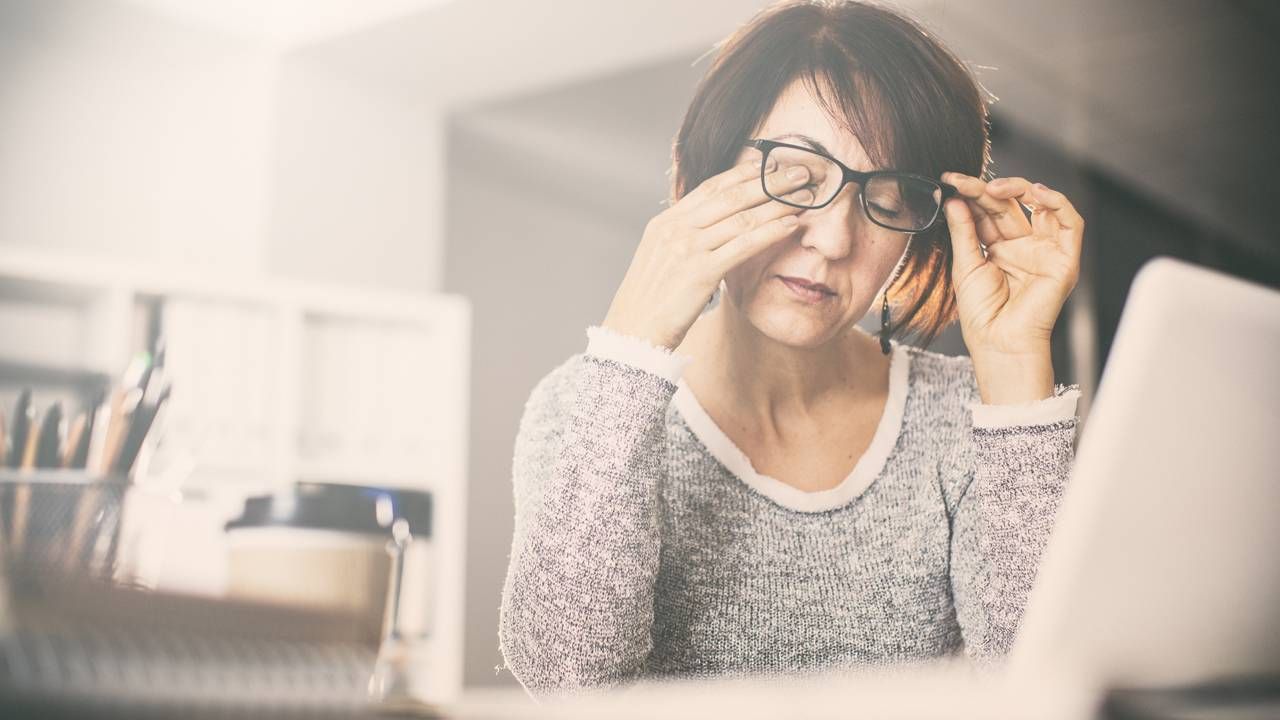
pixel 577 605
pixel 1022 457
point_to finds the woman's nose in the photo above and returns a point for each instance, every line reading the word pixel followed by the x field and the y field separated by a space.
pixel 834 230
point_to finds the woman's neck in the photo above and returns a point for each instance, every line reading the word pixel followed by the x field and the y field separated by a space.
pixel 765 384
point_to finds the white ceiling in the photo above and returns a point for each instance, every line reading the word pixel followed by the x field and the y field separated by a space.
pixel 288 23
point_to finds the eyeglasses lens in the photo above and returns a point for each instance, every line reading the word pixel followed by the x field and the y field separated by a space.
pixel 902 202
pixel 821 177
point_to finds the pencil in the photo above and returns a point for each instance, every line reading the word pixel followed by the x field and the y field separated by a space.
pixel 22 493
pixel 77 434
pixel 121 421
pixel 101 429
pixel 32 445
pixel 21 428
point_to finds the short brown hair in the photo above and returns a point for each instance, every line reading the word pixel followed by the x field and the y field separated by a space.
pixel 870 68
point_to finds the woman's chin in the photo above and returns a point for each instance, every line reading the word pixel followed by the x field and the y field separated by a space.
pixel 795 328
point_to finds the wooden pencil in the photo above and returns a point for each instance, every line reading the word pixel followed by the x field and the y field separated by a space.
pixel 75 435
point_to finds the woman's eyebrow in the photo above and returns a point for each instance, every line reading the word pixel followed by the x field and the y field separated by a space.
pixel 813 143
pixel 806 139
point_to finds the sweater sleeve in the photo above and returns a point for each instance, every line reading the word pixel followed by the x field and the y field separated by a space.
pixel 1008 472
pixel 577 604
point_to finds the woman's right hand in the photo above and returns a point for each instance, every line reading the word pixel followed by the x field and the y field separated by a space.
pixel 687 249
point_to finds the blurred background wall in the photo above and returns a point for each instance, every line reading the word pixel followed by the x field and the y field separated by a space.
pixel 127 133
pixel 512 151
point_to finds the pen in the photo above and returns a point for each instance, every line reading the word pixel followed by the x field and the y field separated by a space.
pixel 115 426
pixel 21 428
pixel 48 440
pixel 139 370
pixel 157 390
pixel 143 420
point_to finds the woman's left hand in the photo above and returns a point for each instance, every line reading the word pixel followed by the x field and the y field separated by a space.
pixel 1009 299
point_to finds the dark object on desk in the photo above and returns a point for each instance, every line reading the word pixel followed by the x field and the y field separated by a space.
pixel 1249 698
pixel 338 506
pixel 87 649
pixel 326 545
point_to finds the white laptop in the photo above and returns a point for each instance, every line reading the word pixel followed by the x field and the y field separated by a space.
pixel 1164 564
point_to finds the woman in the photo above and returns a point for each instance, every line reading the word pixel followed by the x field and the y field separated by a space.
pixel 762 486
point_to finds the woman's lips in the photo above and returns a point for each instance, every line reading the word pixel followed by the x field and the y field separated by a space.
pixel 805 290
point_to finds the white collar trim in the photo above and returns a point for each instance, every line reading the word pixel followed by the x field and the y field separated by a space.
pixel 859 479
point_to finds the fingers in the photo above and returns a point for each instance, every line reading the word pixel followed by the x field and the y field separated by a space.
pixel 747 220
pixel 1043 222
pixel 995 210
pixel 1008 188
pixel 967 253
pixel 741 247
pixel 988 233
pixel 1059 210
pixel 1017 259
pixel 728 178
pixel 998 201
pixel 729 199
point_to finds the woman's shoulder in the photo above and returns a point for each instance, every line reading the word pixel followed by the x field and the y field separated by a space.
pixel 586 383
pixel 583 371
pixel 555 387
pixel 545 408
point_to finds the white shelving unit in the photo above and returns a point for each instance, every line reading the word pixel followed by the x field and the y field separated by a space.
pixel 274 381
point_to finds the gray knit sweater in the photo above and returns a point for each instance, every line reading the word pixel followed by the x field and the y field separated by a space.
pixel 647 546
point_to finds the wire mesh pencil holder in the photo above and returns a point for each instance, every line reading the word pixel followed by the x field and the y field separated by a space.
pixel 61 522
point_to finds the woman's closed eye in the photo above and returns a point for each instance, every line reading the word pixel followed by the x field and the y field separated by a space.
pixel 885 211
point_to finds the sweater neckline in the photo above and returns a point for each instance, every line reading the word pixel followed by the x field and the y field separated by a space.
pixel 858 480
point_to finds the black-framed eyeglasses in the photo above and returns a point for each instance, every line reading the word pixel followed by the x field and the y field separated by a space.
pixel 900 201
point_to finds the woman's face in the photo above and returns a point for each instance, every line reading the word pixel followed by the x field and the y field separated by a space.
pixel 836 245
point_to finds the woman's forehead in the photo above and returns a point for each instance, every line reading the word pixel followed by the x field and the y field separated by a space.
pixel 798 115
